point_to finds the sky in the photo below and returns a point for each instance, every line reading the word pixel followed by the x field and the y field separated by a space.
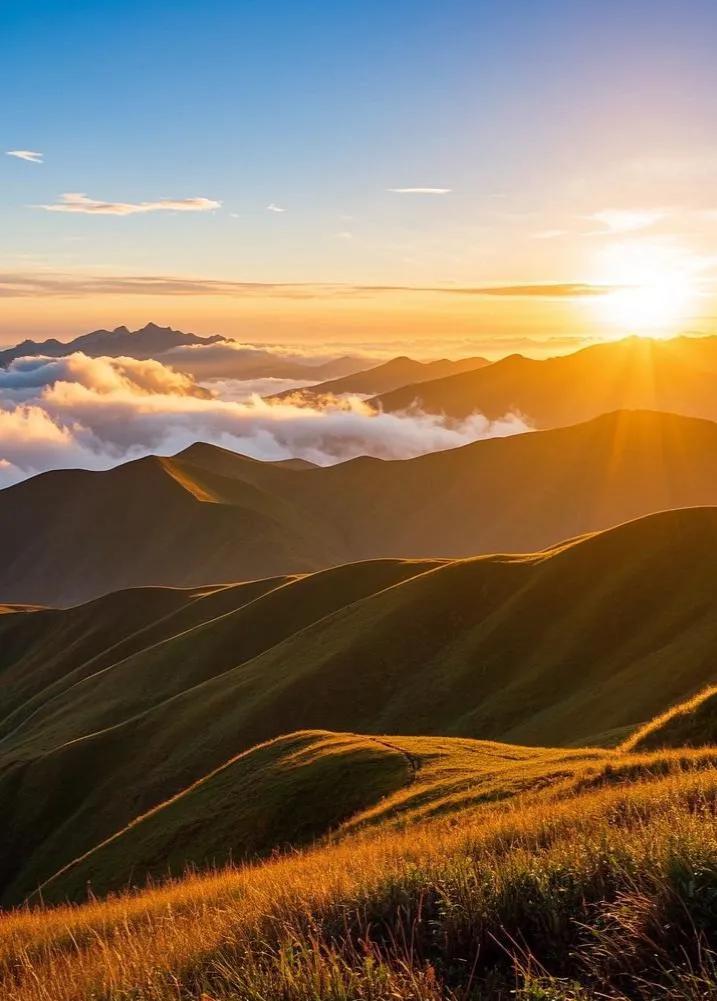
pixel 447 176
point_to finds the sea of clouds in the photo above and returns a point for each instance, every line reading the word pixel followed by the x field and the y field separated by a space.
pixel 93 413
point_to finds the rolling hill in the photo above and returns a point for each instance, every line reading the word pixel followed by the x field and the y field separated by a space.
pixel 675 376
pixel 209 515
pixel 601 885
pixel 688 724
pixel 319 786
pixel 383 378
pixel 297 788
pixel 280 794
pixel 574 646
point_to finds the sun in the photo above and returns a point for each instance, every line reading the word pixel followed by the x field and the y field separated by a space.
pixel 654 289
pixel 658 308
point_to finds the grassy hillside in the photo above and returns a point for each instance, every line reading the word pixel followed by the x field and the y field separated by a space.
pixel 385 377
pixel 283 793
pixel 677 376
pixel 573 893
pixel 61 646
pixel 572 646
pixel 296 788
pixel 210 516
pixel 689 724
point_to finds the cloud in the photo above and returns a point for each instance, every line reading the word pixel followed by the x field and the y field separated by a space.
pixel 77 285
pixel 271 207
pixel 81 204
pixel 420 191
pixel 545 290
pixel 626 220
pixel 26 154
pixel 549 234
pixel 31 441
pixel 240 390
pixel 234 360
pixel 26 376
pixel 96 412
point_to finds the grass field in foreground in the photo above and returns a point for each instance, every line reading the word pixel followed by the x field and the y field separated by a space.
pixel 602 886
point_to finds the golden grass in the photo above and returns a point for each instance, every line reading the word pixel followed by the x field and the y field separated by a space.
pixel 428 911
pixel 453 773
pixel 683 717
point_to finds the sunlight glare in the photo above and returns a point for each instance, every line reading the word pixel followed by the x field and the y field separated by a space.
pixel 657 288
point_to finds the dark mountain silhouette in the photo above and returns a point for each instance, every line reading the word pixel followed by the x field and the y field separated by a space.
pixel 149 341
pixel 225 359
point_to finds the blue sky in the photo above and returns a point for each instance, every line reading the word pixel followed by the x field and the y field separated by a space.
pixel 536 116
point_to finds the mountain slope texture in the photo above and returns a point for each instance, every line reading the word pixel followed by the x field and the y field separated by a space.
pixel 111 709
pixel 210 516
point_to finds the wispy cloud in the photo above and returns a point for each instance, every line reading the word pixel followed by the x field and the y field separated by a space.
pixel 26 154
pixel 549 234
pixel 626 220
pixel 272 207
pixel 81 204
pixel 420 191
pixel 547 290
pixel 37 283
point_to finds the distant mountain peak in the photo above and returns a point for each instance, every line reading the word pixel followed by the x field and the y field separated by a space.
pixel 146 342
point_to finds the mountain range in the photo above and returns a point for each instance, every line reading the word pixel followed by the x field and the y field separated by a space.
pixel 395 373
pixel 148 342
pixel 211 515
pixel 678 375
pixel 203 357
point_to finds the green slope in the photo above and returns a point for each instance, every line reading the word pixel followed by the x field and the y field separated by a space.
pixel 49 650
pixel 283 793
pixel 209 516
pixel 559 648
pixel 299 787
pixel 317 784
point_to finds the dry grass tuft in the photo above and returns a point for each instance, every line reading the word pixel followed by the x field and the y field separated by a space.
pixel 606 888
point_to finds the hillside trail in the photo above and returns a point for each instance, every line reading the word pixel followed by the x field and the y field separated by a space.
pixel 413 762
